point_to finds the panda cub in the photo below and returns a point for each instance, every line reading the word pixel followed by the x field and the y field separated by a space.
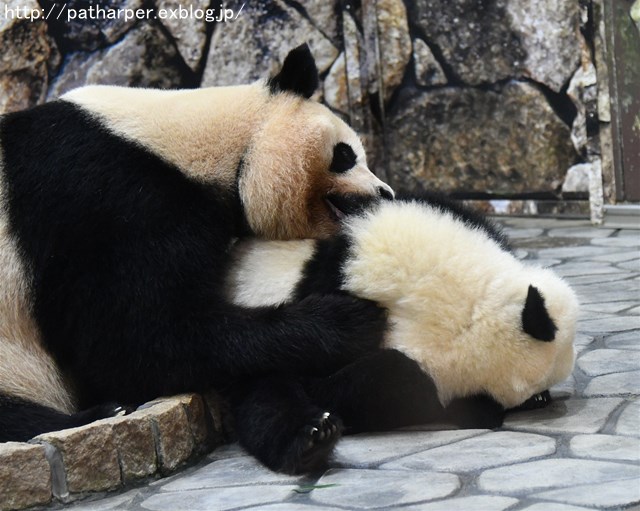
pixel 118 207
pixel 472 331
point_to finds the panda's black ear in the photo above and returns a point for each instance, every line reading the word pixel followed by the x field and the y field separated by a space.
pixel 535 318
pixel 299 73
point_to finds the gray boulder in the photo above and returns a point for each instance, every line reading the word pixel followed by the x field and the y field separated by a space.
pixel 470 140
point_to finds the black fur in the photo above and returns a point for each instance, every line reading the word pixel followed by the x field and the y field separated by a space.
pixel 535 318
pixel 21 420
pixel 276 421
pixel 322 273
pixel 381 391
pixel 343 158
pixel 126 258
pixel 298 75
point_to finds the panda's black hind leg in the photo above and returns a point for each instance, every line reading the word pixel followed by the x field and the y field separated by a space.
pixel 21 420
pixel 277 423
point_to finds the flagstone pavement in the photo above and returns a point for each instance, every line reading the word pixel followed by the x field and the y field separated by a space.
pixel 582 452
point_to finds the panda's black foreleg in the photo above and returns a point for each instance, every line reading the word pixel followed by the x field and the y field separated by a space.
pixel 21 420
pixel 276 422
pixel 380 391
pixel 475 412
pixel 387 390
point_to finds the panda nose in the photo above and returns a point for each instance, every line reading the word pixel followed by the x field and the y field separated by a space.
pixel 385 192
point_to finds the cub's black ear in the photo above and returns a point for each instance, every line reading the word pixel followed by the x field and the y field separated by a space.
pixel 299 73
pixel 535 319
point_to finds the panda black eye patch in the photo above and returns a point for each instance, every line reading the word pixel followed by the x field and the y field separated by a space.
pixel 343 158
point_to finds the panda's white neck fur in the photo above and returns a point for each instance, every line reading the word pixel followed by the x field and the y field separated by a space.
pixel 266 272
pixel 204 132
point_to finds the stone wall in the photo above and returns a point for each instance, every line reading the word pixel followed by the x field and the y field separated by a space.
pixel 480 98
pixel 153 441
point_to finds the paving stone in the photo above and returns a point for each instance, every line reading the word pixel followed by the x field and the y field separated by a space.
pixel 610 308
pixel 624 492
pixel 583 340
pixel 606 297
pixel 556 507
pixel 546 263
pixel 368 489
pixel 616 257
pixel 586 252
pixel 564 389
pixel 475 503
pixel 629 419
pixel 577 232
pixel 523 233
pixel 625 285
pixel 607 361
pixel 536 476
pixel 229 472
pixel 617 384
pixel 227 451
pixel 25 476
pixel 478 453
pixel 571 416
pixel 633 265
pixel 580 280
pixel 121 502
pixel 587 268
pixel 220 499
pixel 367 450
pixel 628 241
pixel 607 447
pixel 292 507
pixel 611 324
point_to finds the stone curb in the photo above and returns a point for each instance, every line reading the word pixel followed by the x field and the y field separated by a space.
pixel 108 454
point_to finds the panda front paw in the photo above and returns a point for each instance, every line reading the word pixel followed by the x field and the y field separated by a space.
pixel 311 448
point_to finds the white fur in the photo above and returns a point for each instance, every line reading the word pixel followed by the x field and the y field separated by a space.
pixel 285 143
pixel 27 370
pixel 455 299
pixel 277 266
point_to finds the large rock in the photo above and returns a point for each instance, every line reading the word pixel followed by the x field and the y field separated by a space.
pixel 26 55
pixel 336 89
pixel 471 140
pixel 394 43
pixel 188 30
pixel 324 15
pixel 253 45
pixel 428 70
pixel 491 40
pixel 86 25
pixel 144 58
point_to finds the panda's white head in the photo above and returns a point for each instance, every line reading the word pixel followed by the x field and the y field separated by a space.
pixel 296 166
pixel 305 168
pixel 475 318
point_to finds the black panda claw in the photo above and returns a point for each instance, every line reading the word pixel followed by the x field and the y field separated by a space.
pixel 318 438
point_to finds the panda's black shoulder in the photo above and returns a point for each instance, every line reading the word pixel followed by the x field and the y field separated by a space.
pixel 470 217
pixel 323 272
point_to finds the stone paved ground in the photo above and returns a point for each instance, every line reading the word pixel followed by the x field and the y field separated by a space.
pixel 583 452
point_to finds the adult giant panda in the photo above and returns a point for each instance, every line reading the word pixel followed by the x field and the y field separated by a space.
pixel 472 331
pixel 118 207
